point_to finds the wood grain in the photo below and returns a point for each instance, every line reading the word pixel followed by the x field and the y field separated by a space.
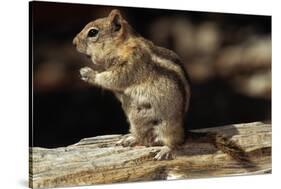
pixel 98 160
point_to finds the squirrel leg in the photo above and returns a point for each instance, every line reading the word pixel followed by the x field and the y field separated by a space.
pixel 172 136
pixel 105 79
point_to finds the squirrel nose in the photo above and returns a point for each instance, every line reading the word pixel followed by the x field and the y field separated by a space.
pixel 75 41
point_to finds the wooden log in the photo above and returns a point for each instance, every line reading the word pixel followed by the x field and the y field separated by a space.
pixel 98 160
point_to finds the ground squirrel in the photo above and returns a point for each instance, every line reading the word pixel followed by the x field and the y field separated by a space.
pixel 149 81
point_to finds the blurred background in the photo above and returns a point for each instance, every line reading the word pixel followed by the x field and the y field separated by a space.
pixel 227 56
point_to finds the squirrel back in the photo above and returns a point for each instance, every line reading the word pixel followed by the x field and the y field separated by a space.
pixel 150 82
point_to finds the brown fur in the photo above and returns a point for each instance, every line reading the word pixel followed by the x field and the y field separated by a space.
pixel 149 81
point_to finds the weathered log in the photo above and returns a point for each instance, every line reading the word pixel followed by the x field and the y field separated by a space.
pixel 98 160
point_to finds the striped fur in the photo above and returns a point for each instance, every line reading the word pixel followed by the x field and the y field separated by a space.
pixel 149 81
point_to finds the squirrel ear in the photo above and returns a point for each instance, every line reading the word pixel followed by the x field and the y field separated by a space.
pixel 115 19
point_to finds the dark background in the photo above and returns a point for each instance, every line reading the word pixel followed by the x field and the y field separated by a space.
pixel 228 58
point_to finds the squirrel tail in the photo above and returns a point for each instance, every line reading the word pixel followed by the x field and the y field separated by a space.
pixel 222 143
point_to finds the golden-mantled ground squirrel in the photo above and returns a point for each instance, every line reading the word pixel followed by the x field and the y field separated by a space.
pixel 149 81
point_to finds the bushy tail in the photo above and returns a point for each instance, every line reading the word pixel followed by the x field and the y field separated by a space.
pixel 222 143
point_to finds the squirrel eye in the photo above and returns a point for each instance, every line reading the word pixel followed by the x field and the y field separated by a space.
pixel 93 32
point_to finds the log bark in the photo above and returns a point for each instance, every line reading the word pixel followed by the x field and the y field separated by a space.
pixel 98 160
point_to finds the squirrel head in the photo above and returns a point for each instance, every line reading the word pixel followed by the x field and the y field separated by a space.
pixel 101 38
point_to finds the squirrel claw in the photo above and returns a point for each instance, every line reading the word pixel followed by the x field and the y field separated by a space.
pixel 127 141
pixel 164 154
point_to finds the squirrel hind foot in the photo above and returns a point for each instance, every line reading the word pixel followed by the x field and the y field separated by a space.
pixel 164 154
pixel 127 141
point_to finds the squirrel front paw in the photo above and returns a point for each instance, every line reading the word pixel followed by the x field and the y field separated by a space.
pixel 87 74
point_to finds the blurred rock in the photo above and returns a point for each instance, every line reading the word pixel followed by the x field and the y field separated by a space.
pixel 200 70
pixel 253 54
pixel 56 67
pixel 160 32
pixel 49 75
pixel 248 66
pixel 184 38
pixel 256 85
pixel 208 38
